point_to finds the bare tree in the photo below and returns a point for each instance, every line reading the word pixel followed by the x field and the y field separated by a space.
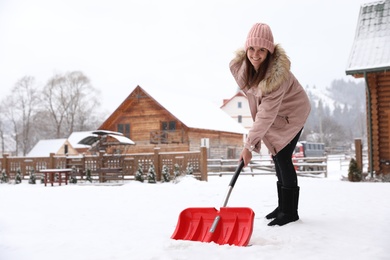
pixel 56 102
pixel 19 107
pixel 70 100
pixel 2 144
pixel 83 101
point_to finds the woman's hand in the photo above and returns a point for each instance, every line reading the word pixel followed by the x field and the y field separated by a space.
pixel 246 155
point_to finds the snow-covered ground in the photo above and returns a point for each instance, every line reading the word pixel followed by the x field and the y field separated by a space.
pixel 339 220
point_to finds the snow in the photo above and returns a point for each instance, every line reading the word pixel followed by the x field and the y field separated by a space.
pixel 203 115
pixel 317 94
pixel 338 219
pixel 45 147
pixel 370 49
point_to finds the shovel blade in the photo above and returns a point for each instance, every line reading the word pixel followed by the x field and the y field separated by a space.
pixel 229 225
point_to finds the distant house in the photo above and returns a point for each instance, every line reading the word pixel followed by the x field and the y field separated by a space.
pixel 172 122
pixel 238 108
pixel 56 146
pixel 370 59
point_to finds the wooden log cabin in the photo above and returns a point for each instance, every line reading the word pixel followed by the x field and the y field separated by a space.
pixel 175 123
pixel 370 59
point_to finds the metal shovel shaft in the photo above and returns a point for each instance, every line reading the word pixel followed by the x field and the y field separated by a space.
pixel 233 182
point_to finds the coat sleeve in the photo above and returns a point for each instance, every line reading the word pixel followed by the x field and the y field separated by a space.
pixel 238 70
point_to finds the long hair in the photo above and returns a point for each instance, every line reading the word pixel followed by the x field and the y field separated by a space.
pixel 254 77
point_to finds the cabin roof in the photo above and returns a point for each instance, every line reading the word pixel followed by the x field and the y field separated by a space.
pixel 44 147
pixel 195 112
pixel 371 47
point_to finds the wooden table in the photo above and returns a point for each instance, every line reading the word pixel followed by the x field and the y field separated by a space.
pixel 50 174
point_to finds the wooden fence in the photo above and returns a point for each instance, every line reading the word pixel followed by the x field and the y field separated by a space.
pixel 260 166
pixel 128 163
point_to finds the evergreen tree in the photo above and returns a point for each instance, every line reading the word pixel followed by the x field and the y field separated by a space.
pixel 354 173
pixel 139 175
pixel 190 169
pixel 151 174
pixel 32 179
pixel 4 176
pixel 88 175
pixel 176 170
pixel 176 173
pixel 73 178
pixel 165 173
pixel 18 177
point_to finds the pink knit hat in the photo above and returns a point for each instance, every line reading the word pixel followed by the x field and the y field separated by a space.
pixel 260 36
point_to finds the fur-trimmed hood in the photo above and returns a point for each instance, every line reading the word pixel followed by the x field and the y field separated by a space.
pixel 278 70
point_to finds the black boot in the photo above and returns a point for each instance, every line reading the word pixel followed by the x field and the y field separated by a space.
pixel 288 211
pixel 274 213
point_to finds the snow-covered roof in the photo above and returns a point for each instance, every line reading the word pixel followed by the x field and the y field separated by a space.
pixel 76 137
pixel 371 47
pixel 94 136
pixel 44 147
pixel 195 112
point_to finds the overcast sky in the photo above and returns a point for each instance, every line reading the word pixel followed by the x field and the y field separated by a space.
pixel 175 45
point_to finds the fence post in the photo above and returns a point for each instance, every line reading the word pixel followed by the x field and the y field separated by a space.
pixel 51 162
pixel 359 156
pixel 5 163
pixel 156 160
pixel 203 163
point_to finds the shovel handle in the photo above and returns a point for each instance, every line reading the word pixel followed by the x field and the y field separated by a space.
pixel 232 182
pixel 236 174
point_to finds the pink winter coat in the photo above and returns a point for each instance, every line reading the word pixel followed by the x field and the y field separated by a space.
pixel 279 105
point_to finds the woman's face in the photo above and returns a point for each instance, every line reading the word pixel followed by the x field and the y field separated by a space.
pixel 256 56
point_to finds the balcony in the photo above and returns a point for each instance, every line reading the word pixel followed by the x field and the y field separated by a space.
pixel 166 137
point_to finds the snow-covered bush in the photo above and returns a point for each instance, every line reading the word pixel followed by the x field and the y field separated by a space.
pixel 165 173
pixel 139 175
pixel 190 169
pixel 88 175
pixel 32 179
pixel 151 177
pixel 18 177
pixel 73 178
pixel 4 177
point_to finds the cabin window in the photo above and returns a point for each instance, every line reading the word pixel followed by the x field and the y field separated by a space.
pixel 124 129
pixel 239 104
pixel 239 119
pixel 168 126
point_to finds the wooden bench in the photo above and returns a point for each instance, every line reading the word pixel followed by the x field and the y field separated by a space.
pixel 110 174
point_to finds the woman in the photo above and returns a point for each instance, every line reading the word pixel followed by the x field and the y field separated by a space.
pixel 279 107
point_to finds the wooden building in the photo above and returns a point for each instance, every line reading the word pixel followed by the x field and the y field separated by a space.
pixel 172 122
pixel 370 59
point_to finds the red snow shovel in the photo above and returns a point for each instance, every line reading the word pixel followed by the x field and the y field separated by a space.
pixel 229 225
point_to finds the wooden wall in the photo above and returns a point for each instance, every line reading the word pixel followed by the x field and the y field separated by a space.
pixel 145 116
pixel 379 85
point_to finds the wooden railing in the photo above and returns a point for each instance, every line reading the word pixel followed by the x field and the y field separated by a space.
pixel 166 137
pixel 303 166
pixel 129 163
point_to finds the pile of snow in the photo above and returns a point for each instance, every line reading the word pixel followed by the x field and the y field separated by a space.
pixel 339 220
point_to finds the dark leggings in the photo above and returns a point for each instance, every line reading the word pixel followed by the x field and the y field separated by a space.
pixel 285 170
